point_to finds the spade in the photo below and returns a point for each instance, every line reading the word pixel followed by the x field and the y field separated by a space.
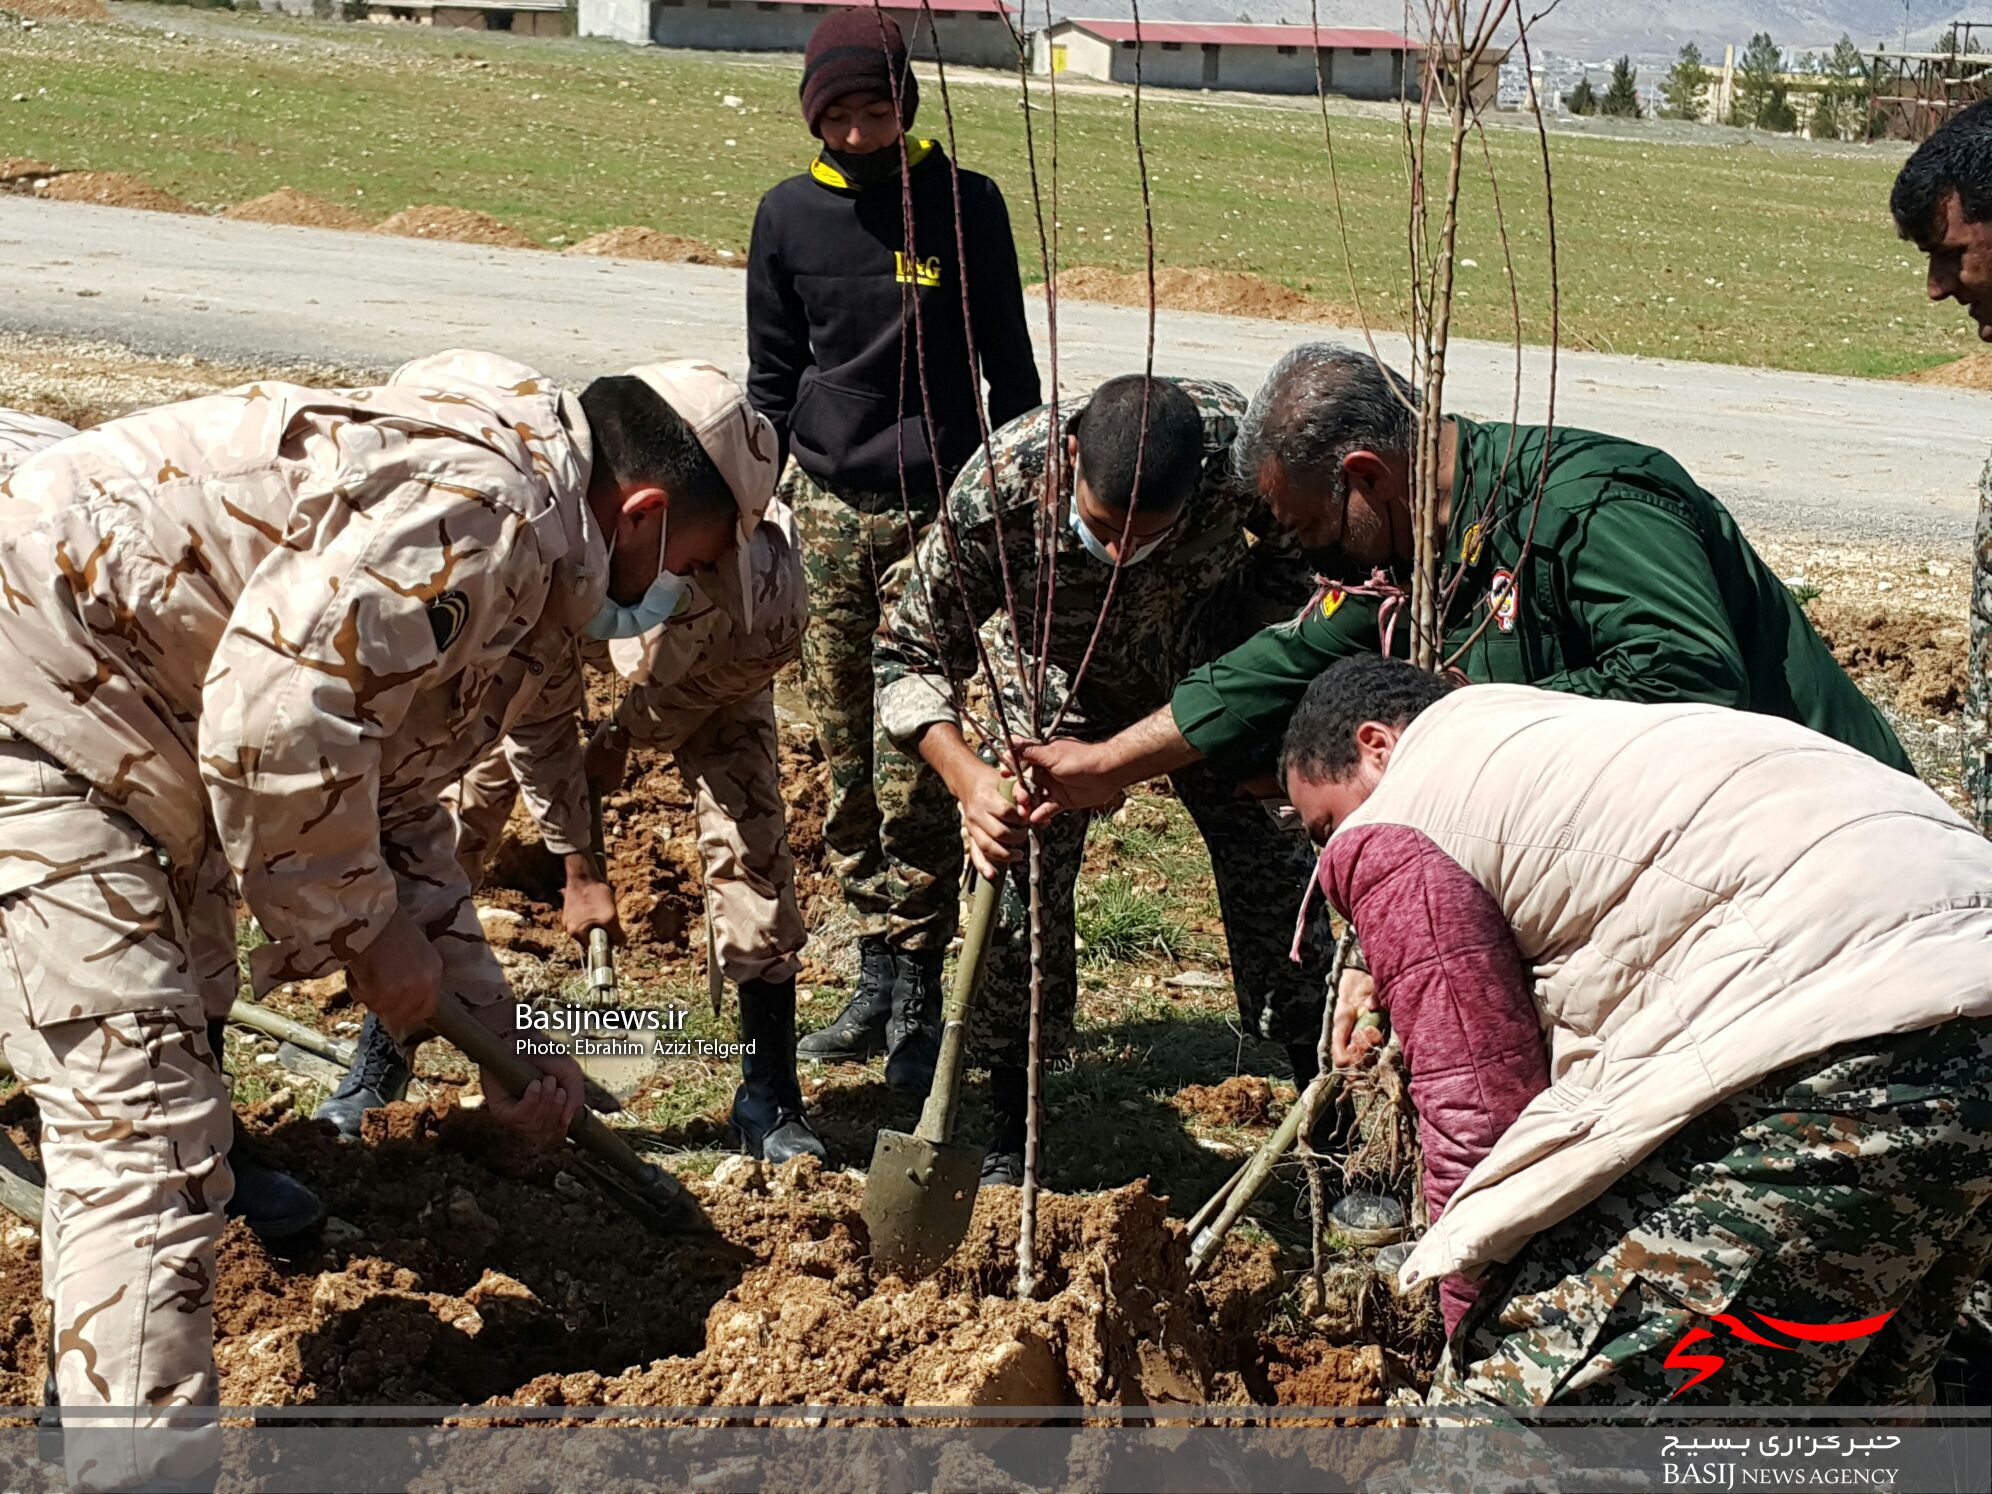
pixel 921 1188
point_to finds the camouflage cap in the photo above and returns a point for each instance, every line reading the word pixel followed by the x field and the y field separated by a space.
pixel 738 438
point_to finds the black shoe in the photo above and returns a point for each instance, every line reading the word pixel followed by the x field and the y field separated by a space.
pixel 1009 1107
pixel 913 1031
pixel 767 1107
pixel 1003 1170
pixel 379 1076
pixel 271 1202
pixel 858 1031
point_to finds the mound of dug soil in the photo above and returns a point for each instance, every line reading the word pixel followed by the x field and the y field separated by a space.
pixel 632 242
pixel 432 220
pixel 15 170
pixel 1241 1100
pixel 1224 292
pixel 298 209
pixel 1924 659
pixel 468 1271
pixel 1973 371
pixel 112 189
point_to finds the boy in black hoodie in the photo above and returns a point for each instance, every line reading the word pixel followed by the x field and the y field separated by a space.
pixel 860 356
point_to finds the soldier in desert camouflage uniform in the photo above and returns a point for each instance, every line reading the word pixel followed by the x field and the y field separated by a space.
pixel 246 640
pixel 1190 583
pixel 701 689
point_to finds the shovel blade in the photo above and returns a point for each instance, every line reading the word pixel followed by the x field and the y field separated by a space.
pixel 918 1199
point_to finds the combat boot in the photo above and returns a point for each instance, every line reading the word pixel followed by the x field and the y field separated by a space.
pixel 270 1201
pixel 913 1031
pixel 379 1076
pixel 1009 1103
pixel 858 1031
pixel 767 1107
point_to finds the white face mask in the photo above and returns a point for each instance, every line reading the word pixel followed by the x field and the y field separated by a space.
pixel 1098 550
pixel 655 607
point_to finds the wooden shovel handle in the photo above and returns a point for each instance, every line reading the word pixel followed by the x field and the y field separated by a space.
pixel 937 1116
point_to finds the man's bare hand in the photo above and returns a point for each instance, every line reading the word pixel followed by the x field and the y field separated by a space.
pixel 397 976
pixel 995 811
pixel 1070 774
pixel 539 1117
pixel 607 760
pixel 1348 1041
pixel 587 902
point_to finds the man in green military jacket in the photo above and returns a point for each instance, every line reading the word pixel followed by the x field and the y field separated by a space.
pixel 1625 581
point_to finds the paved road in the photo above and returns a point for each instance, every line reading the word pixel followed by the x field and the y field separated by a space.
pixel 1788 451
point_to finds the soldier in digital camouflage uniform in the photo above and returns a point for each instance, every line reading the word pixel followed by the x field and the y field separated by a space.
pixel 1190 583
pixel 701 689
pixel 246 640
pixel 871 279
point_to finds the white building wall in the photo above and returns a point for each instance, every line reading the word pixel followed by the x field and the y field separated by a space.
pixel 621 20
pixel 1085 55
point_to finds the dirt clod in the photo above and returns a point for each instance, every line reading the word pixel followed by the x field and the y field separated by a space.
pixel 287 205
pixel 1925 661
pixel 1223 292
pixel 18 169
pixel 1241 1100
pixel 432 220
pixel 631 241
pixel 111 189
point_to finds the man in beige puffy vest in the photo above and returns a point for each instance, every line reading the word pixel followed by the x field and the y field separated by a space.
pixel 1712 1114
pixel 245 642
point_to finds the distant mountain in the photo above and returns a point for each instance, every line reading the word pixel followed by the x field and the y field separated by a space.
pixel 1600 28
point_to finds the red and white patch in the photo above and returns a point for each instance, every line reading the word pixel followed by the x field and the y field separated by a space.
pixel 1503 600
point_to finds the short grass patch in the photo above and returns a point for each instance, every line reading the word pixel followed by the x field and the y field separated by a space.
pixel 1742 250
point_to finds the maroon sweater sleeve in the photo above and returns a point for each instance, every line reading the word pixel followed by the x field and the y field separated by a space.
pixel 1449 975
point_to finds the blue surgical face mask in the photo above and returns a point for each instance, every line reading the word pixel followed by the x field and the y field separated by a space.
pixel 1098 550
pixel 658 603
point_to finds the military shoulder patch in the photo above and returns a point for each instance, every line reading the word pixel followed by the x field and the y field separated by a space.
pixel 1331 600
pixel 447 615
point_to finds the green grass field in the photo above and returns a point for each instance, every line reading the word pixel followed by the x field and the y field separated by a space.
pixel 1754 253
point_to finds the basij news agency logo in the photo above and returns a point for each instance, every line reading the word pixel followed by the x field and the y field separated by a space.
pixel 1706 1365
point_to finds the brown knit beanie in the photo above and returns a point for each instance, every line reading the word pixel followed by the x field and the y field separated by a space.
pixel 856 51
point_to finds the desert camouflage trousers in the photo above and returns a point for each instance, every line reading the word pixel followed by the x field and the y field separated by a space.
pixel 1855 1184
pixel 731 760
pixel 1978 684
pixel 108 976
pixel 1261 867
pixel 892 830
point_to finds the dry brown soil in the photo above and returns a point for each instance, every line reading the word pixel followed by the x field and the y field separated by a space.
pixel 433 220
pixel 299 209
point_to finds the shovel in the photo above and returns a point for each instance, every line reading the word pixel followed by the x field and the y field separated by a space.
pixel 921 1188
pixel 646 1191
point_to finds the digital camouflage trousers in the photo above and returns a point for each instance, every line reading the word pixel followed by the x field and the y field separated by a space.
pixel 1855 1186
pixel 1261 867
pixel 892 831
pixel 1978 684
